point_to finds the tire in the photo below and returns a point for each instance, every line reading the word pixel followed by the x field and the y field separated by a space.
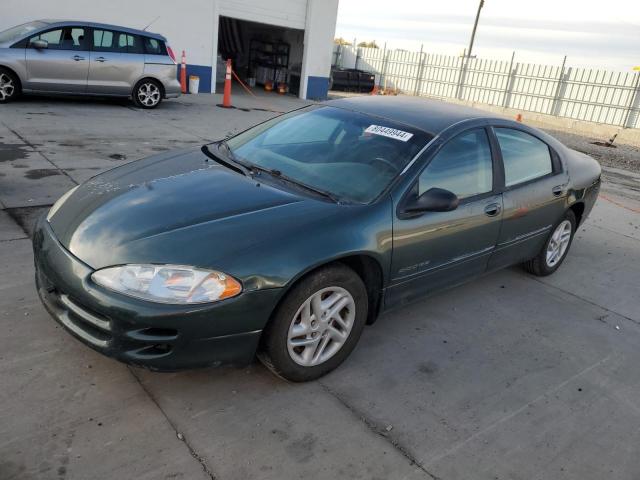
pixel 328 342
pixel 148 94
pixel 545 263
pixel 9 86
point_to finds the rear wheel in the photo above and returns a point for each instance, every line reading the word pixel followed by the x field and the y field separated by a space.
pixel 9 86
pixel 555 248
pixel 316 326
pixel 147 94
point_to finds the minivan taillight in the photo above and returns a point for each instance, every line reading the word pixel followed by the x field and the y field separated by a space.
pixel 171 54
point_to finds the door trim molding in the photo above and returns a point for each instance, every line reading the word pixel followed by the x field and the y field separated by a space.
pixel 525 236
pixel 450 263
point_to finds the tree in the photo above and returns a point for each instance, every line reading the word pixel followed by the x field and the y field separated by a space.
pixel 372 44
pixel 341 41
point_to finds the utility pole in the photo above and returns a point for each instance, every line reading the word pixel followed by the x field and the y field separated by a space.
pixel 475 27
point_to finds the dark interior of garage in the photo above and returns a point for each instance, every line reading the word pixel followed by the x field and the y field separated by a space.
pixel 263 56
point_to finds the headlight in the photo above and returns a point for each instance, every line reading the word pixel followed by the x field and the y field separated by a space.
pixel 60 202
pixel 168 283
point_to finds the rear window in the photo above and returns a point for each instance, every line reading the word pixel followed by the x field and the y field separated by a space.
pixel 153 46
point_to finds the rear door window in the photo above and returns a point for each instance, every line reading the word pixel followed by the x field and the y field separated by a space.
pixel 525 157
pixel 116 42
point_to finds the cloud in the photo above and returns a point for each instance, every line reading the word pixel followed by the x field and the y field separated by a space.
pixel 594 37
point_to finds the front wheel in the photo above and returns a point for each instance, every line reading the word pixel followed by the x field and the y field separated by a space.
pixel 555 248
pixel 9 86
pixel 147 94
pixel 316 326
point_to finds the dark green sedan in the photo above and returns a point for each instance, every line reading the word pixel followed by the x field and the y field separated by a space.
pixel 287 239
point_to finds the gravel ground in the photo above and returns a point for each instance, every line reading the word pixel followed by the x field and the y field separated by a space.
pixel 622 156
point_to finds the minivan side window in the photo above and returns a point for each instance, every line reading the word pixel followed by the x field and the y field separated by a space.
pixel 69 38
pixel 116 42
pixel 463 166
pixel 525 157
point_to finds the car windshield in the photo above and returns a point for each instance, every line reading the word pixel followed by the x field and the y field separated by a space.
pixel 349 155
pixel 16 33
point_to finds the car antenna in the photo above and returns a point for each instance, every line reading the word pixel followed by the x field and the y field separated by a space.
pixel 152 22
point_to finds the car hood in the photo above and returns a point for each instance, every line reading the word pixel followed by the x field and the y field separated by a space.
pixel 174 208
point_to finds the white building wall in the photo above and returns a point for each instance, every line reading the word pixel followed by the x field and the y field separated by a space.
pixel 320 31
pixel 192 25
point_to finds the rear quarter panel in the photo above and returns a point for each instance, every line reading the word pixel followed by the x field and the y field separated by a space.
pixel 584 180
pixel 163 69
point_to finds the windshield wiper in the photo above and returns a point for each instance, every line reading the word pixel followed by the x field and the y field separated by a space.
pixel 229 162
pixel 278 174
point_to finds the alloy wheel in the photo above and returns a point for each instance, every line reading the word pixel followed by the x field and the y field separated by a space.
pixel 149 94
pixel 7 87
pixel 558 243
pixel 321 326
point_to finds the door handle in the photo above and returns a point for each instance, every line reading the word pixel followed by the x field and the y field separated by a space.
pixel 492 210
pixel 101 59
pixel 77 58
pixel 557 190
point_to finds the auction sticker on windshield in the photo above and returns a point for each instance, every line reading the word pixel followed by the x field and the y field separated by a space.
pixel 389 132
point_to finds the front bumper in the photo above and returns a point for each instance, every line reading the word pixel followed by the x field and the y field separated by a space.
pixel 155 336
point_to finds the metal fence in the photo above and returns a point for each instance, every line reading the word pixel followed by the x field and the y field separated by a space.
pixel 590 95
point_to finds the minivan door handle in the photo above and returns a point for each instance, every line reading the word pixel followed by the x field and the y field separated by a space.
pixel 101 59
pixel 557 190
pixel 492 209
pixel 77 58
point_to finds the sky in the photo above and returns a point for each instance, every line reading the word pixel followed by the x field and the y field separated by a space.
pixel 593 34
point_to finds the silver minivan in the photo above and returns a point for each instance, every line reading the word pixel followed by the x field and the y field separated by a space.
pixel 84 58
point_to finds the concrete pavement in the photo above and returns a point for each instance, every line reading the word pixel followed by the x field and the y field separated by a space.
pixel 507 377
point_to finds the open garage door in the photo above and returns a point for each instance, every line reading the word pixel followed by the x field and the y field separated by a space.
pixel 263 55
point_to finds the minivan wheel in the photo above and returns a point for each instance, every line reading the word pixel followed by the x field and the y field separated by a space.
pixel 9 86
pixel 555 248
pixel 316 326
pixel 147 94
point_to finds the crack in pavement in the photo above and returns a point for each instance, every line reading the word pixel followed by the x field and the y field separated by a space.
pixel 516 412
pixel 36 150
pixel 179 435
pixel 614 232
pixel 374 429
pixel 590 302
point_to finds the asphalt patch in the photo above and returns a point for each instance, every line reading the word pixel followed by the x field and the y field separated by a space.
pixel 118 156
pixel 604 144
pixel 38 173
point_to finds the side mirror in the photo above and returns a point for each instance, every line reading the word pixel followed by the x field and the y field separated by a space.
pixel 39 44
pixel 433 200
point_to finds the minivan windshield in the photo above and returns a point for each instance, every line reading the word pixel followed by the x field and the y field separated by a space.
pixel 350 155
pixel 16 33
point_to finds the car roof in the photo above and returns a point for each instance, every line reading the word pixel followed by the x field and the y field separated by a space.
pixel 429 115
pixel 63 23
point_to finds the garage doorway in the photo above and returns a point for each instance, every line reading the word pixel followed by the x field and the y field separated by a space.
pixel 262 55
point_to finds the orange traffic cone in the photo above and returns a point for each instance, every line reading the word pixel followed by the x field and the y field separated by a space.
pixel 226 99
pixel 183 73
